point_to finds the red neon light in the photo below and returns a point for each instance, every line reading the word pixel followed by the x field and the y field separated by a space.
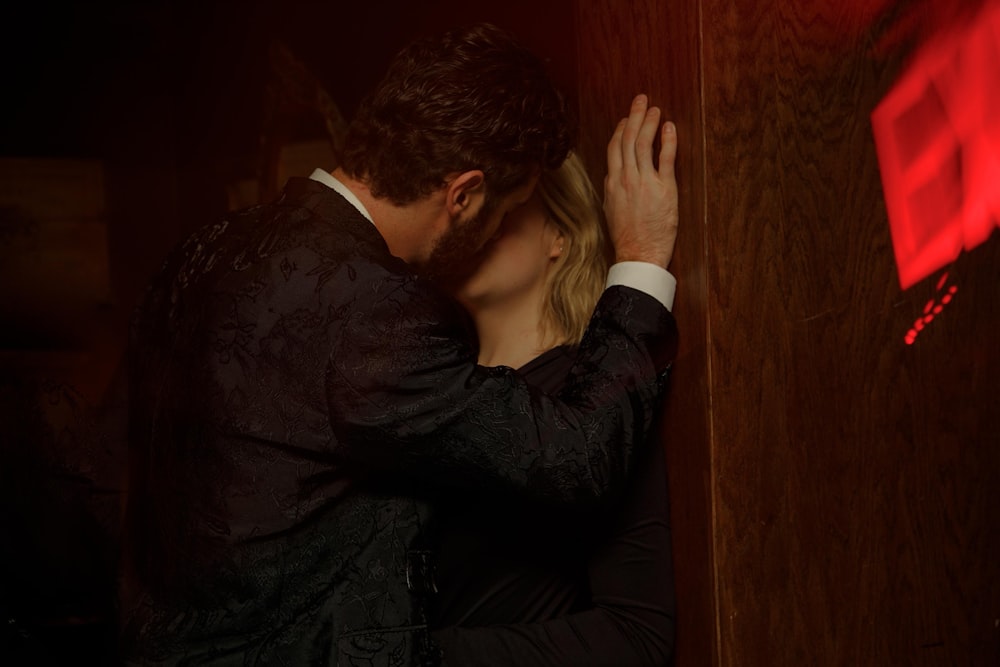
pixel 937 134
pixel 931 310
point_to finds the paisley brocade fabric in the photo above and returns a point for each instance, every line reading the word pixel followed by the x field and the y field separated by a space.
pixel 295 392
pixel 397 401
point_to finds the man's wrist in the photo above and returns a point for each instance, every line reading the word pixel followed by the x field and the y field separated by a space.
pixel 646 277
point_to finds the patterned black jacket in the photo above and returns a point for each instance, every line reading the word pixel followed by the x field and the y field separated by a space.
pixel 298 395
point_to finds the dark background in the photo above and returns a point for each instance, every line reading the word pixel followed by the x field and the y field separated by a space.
pixel 170 93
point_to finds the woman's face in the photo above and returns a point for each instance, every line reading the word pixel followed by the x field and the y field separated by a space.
pixel 515 263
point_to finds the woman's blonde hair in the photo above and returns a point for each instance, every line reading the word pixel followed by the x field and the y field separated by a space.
pixel 578 277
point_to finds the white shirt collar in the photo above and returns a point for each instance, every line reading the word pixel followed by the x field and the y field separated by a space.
pixel 327 179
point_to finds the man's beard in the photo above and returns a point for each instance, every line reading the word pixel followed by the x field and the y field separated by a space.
pixel 458 253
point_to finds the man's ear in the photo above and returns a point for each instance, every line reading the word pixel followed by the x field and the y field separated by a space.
pixel 465 194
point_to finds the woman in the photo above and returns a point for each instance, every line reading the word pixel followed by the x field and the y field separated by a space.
pixel 547 587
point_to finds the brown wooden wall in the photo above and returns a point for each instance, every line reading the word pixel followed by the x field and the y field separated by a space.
pixel 834 491
pixel 653 47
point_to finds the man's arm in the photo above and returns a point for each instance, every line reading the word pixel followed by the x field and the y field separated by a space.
pixel 407 396
pixel 404 391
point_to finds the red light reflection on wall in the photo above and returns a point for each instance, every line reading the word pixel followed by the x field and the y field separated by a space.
pixel 937 134
pixel 931 310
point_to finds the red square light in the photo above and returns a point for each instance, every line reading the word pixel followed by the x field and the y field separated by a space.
pixel 937 134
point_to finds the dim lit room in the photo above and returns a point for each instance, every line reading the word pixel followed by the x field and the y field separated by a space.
pixel 824 420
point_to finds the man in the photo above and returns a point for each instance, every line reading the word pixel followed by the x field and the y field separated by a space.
pixel 298 392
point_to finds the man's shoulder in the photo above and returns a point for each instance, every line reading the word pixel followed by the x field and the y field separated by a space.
pixel 324 203
pixel 311 218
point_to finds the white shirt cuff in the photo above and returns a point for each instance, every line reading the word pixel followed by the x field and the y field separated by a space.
pixel 649 278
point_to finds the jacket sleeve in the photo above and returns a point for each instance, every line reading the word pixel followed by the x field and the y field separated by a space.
pixel 631 623
pixel 405 394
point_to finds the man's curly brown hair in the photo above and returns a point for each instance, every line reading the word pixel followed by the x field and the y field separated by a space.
pixel 473 98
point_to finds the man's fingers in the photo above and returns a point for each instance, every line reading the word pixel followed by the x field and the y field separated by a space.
pixel 668 150
pixel 640 200
pixel 636 117
pixel 644 140
pixel 615 150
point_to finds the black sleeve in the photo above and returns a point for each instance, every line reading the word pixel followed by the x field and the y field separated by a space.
pixel 405 394
pixel 631 623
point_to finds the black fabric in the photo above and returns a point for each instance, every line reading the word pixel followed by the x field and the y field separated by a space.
pixel 524 587
pixel 508 561
pixel 296 392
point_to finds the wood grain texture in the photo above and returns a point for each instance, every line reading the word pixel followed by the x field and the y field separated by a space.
pixel 652 46
pixel 855 476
